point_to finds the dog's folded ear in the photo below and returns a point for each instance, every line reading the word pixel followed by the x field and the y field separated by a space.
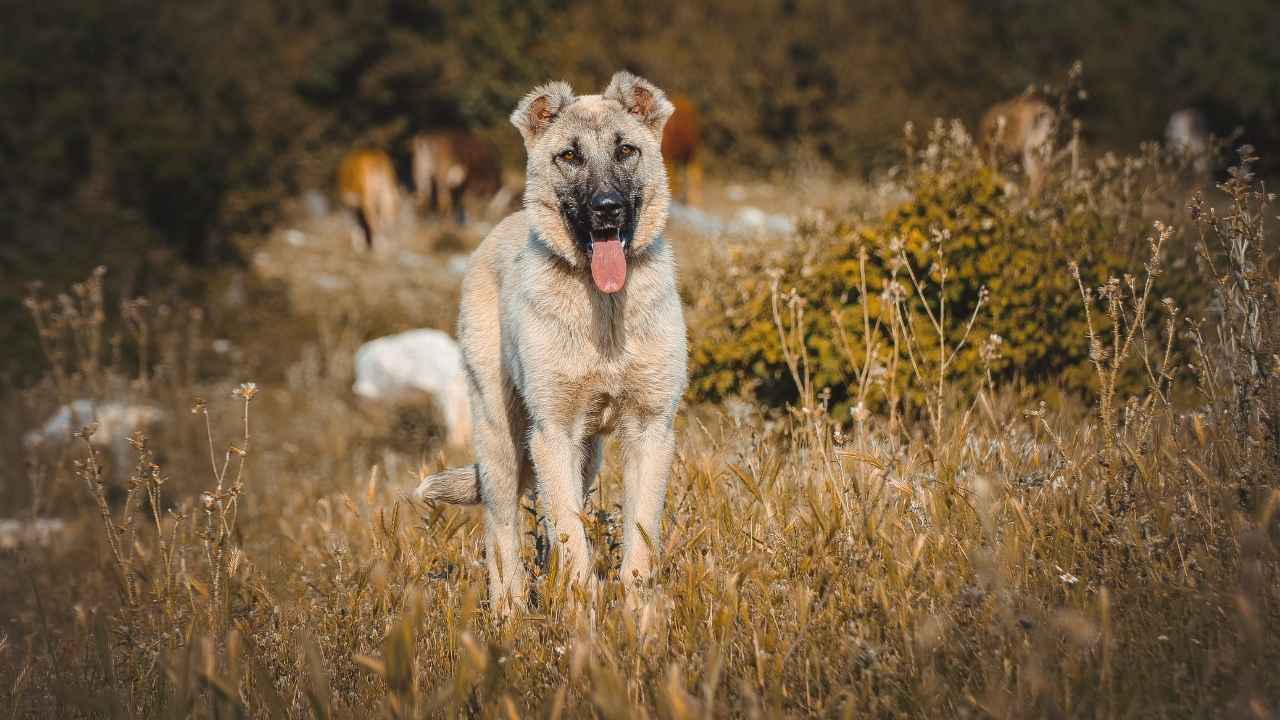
pixel 641 98
pixel 537 110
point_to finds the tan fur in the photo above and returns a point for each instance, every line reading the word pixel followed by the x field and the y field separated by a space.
pixel 1020 130
pixel 554 364
pixel 367 184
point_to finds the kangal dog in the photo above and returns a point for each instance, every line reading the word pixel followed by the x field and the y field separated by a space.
pixel 571 328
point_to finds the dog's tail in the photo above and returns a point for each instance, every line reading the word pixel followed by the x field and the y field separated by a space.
pixel 458 486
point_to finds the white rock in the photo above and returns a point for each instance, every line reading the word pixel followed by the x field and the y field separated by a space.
pixel 417 362
pixel 315 204
pixel 780 225
pixel 331 283
pixel 116 422
pixel 701 222
pixel 411 259
pixel 38 531
pixel 750 220
pixel 747 220
pixel 457 263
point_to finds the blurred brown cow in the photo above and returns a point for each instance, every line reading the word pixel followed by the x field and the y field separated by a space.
pixel 1020 130
pixel 449 166
pixel 367 184
pixel 680 142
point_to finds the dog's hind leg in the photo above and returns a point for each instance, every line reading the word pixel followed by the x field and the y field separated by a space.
pixel 501 458
pixel 499 490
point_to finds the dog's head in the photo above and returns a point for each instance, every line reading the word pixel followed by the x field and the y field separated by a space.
pixel 596 190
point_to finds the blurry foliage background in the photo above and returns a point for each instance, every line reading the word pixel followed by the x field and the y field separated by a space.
pixel 145 135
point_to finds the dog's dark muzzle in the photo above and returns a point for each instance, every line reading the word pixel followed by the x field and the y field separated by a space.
pixel 603 213
pixel 608 211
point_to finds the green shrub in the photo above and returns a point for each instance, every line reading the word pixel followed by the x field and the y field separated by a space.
pixel 968 237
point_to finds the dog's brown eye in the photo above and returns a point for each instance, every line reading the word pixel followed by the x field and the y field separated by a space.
pixel 626 151
pixel 568 156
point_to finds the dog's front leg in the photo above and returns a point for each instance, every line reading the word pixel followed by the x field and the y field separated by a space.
pixel 557 462
pixel 500 465
pixel 648 449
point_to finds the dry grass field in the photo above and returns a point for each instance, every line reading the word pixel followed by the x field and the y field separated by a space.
pixel 989 549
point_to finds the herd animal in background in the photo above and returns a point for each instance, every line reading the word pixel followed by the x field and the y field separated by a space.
pixel 449 166
pixel 367 185
pixel 680 144
pixel 455 173
pixel 450 170
pixel 1021 130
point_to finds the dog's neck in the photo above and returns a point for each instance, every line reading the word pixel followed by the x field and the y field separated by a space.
pixel 578 263
pixel 647 275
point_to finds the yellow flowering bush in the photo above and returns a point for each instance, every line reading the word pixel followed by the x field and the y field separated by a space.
pixel 967 253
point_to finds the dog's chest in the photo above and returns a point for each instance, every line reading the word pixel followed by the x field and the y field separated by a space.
pixel 594 362
pixel 600 365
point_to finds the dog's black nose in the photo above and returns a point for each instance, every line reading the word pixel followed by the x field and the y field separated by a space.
pixel 606 208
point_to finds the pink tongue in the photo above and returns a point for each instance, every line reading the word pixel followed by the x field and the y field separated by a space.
pixel 608 265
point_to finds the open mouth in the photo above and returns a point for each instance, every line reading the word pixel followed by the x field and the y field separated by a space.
pixel 608 260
